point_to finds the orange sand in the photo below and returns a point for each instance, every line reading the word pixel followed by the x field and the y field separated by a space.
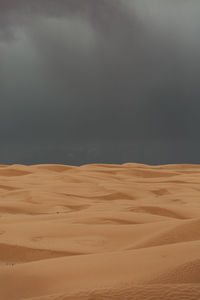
pixel 100 232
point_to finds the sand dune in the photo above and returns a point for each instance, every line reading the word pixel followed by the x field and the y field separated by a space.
pixel 100 231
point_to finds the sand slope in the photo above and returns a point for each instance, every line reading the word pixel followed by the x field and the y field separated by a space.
pixel 100 232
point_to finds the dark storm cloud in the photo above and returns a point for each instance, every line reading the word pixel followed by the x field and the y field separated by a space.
pixel 84 81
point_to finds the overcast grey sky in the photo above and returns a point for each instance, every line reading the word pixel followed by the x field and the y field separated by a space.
pixel 112 81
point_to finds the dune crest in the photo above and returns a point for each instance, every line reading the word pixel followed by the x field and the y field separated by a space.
pixel 98 231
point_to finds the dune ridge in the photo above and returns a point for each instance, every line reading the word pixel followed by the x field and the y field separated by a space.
pixel 98 231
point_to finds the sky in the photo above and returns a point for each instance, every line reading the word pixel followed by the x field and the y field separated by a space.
pixel 99 81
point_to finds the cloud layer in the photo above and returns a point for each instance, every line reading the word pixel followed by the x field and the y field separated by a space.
pixel 99 81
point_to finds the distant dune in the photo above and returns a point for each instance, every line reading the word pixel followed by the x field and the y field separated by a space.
pixel 128 232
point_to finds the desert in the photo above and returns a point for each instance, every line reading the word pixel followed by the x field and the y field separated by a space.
pixel 100 231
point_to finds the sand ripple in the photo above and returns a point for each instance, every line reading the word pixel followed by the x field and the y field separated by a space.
pixel 100 232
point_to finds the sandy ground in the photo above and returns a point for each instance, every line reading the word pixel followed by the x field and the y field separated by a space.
pixel 100 232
